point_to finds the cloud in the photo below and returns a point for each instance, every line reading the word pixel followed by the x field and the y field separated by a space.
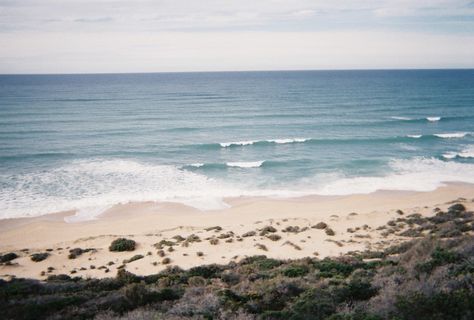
pixel 178 35
pixel 203 51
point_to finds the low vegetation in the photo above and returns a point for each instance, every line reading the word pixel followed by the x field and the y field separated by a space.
pixel 122 244
pixel 430 276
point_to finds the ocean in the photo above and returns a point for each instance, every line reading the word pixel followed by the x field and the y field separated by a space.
pixel 87 142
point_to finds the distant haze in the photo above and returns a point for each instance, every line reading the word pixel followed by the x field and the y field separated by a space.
pixel 53 36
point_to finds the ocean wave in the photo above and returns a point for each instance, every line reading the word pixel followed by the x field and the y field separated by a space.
pixel 467 152
pixel 429 119
pixel 251 164
pixel 418 174
pixel 92 186
pixel 451 135
pixel 401 118
pixel 251 142
pixel 83 185
pixel 415 136
pixel 237 143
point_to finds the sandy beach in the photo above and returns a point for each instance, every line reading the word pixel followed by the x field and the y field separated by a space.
pixel 277 228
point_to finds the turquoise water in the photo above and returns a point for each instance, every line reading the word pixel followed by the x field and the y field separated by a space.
pixel 87 142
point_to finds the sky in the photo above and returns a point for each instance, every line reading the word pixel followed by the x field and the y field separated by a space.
pixel 73 36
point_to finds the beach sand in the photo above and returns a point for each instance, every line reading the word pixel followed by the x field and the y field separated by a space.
pixel 359 223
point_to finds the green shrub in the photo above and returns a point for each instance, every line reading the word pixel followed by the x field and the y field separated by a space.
pixel 295 271
pixel 122 244
pixel 439 306
pixel 439 257
pixel 207 271
pixel 37 257
pixel 8 257
pixel 134 258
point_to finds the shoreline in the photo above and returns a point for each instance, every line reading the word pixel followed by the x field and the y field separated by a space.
pixel 150 222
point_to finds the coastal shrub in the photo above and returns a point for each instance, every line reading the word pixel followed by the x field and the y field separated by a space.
pixel 37 257
pixel 439 257
pixel 8 257
pixel 274 237
pixel 456 305
pixel 258 287
pixel 312 304
pixel 74 253
pixel 122 244
pixel 295 271
pixel 206 271
pixel 330 232
pixel 249 234
pixel 163 243
pixel 268 229
pixel 215 228
pixel 292 229
pixel 166 261
pixel 267 263
pixel 320 225
pixel 134 258
pixel 458 207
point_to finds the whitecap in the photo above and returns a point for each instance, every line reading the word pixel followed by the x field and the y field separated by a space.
pixel 251 164
pixel 196 165
pixel 251 142
pixel 450 155
pixel 451 135
pixel 283 141
pixel 414 136
pixel 433 119
pixel 237 143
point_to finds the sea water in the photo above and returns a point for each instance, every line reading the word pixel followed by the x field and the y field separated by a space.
pixel 87 142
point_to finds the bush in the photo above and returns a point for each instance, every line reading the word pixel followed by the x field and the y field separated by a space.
pixel 134 258
pixel 268 229
pixel 122 244
pixel 274 237
pixel 8 257
pixel 208 271
pixel 455 305
pixel 295 271
pixel 37 257
pixel 320 225
pixel 439 257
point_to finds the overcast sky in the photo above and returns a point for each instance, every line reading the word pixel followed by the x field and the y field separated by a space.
pixel 69 36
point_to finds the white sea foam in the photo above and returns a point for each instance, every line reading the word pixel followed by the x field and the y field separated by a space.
pixel 468 152
pixel 92 186
pixel 251 164
pixel 450 155
pixel 451 135
pixel 196 165
pixel 250 142
pixel 283 141
pixel 414 136
pixel 407 175
pixel 433 119
pixel 401 118
pixel 237 143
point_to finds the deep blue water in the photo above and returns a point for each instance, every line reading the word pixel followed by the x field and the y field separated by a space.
pixel 89 141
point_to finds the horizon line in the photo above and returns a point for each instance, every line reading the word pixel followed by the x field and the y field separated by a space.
pixel 237 71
